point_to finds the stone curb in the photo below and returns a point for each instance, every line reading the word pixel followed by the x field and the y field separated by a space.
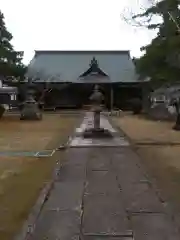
pixel 157 143
pixel 30 224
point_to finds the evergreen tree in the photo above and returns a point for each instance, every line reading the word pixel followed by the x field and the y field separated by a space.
pixel 161 60
pixel 10 60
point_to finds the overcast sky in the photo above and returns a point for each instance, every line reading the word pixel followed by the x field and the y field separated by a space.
pixel 72 25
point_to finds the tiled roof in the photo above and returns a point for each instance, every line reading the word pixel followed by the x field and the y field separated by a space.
pixel 68 66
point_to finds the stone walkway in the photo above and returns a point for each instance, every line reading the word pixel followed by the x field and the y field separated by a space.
pixel 103 193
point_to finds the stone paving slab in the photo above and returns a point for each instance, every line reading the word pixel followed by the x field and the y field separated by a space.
pixel 66 196
pixel 141 198
pixel 58 225
pixel 125 155
pixel 104 214
pixel 153 227
pixel 103 163
pixel 71 174
pixel 76 157
pixel 127 168
pixel 101 182
pixel 128 176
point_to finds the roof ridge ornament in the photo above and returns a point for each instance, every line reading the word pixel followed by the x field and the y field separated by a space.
pixel 94 70
pixel 94 64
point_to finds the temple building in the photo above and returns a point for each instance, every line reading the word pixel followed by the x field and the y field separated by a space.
pixel 71 76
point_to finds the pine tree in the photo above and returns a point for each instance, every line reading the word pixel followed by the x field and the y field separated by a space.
pixel 10 60
pixel 161 58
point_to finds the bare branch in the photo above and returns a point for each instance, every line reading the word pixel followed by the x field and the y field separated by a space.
pixel 135 22
pixel 142 17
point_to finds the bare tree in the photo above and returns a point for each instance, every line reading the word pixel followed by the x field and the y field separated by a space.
pixel 135 15
pixel 149 14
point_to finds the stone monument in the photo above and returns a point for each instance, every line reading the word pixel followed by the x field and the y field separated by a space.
pixel 30 108
pixel 96 131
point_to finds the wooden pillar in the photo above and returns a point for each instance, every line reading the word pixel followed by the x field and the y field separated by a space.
pixel 145 95
pixel 112 97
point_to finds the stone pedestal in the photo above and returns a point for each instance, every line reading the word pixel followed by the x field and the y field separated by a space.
pixel 30 110
pixel 97 119
pixel 97 131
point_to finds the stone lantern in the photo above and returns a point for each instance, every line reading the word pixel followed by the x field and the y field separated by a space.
pixel 30 108
pixel 96 131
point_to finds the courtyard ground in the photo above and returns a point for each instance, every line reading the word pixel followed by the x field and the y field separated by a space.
pixel 153 141
pixel 22 177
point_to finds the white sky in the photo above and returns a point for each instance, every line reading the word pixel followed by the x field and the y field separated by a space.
pixel 72 25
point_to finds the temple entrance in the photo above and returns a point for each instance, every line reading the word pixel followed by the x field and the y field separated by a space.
pixel 76 95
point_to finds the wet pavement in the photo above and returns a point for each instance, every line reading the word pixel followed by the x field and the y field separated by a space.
pixel 103 193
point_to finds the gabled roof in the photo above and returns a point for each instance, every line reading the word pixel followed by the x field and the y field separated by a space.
pixel 94 69
pixel 70 66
